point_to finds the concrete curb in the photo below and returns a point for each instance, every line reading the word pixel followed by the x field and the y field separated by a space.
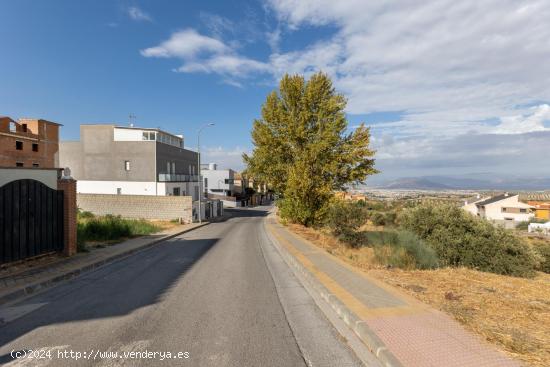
pixel 359 327
pixel 35 287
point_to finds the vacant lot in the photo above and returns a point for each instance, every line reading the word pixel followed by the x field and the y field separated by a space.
pixel 513 313
pixel 103 230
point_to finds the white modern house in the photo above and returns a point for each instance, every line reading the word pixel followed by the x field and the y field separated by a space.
pixel 505 209
pixel 111 159
pixel 220 183
pixel 470 204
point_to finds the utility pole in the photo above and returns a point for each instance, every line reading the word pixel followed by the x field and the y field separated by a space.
pixel 199 180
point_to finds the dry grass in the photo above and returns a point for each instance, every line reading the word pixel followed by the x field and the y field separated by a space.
pixel 512 313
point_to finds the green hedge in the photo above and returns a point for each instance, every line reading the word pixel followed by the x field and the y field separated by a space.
pixel 460 239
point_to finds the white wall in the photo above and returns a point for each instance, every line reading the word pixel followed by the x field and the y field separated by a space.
pixel 216 180
pixel 136 188
pixel 128 135
pixel 110 187
pixel 47 176
pixel 494 211
pixel 186 188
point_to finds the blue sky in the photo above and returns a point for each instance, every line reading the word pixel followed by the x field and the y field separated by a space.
pixel 463 93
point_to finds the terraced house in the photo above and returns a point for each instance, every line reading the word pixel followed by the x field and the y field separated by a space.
pixel 111 159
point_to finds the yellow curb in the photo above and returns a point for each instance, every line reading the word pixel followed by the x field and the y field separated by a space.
pixel 413 302
pixel 355 305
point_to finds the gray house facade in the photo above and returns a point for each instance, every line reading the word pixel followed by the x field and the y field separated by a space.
pixel 110 159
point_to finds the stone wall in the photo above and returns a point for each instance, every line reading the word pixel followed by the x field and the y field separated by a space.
pixel 138 206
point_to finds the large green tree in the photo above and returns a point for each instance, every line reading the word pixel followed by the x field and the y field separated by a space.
pixel 301 148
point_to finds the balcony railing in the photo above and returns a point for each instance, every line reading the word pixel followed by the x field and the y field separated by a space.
pixel 173 177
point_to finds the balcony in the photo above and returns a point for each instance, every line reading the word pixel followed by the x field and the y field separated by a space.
pixel 173 177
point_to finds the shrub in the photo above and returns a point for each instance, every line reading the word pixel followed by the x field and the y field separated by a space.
pixel 460 239
pixel 378 238
pixel 543 250
pixel 424 256
pixel 354 239
pixel 85 214
pixel 390 217
pixel 393 256
pixel 111 227
pixel 343 217
pixel 406 251
pixel 378 218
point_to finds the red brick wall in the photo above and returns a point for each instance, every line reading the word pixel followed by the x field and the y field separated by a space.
pixel 69 214
pixel 40 132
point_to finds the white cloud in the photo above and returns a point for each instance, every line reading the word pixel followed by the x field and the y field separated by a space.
pixel 205 54
pixel 138 15
pixel 442 62
pixel 217 24
pixel 225 157
pixel 186 44
pixel 520 124
pixel 458 71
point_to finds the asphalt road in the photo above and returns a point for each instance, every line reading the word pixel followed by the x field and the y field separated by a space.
pixel 216 296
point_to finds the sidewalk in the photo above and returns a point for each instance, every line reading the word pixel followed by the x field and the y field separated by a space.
pixel 21 284
pixel 399 329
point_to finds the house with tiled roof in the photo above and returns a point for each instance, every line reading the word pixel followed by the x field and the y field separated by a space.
pixel 504 209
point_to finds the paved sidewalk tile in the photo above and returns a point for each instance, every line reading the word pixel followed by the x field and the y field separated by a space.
pixel 416 336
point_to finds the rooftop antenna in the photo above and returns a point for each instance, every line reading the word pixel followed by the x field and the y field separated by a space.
pixel 132 119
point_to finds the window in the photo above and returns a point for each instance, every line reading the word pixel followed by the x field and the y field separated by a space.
pixel 13 127
pixel 504 210
pixel 167 167
pixel 19 145
pixel 24 128
pixel 127 165
pixel 205 183
pixel 34 147
pixel 35 165
pixel 119 190
pixel 523 210
pixel 173 167
pixel 19 164
pixel 148 135
pixel 176 191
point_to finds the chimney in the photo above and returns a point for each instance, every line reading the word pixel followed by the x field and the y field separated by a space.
pixel 212 166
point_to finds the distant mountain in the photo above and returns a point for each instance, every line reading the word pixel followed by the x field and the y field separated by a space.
pixel 415 184
pixel 485 182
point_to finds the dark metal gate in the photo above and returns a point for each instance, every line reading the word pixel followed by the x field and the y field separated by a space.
pixel 31 220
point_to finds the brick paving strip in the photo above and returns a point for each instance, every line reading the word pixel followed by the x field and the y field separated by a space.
pixel 16 286
pixel 398 329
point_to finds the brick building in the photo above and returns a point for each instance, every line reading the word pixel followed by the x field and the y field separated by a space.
pixel 29 143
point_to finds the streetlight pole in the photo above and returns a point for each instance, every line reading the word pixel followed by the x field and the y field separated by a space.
pixel 199 180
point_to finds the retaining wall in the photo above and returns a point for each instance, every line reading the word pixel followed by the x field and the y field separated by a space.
pixel 138 206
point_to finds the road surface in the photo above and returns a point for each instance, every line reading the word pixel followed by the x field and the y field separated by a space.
pixel 217 296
